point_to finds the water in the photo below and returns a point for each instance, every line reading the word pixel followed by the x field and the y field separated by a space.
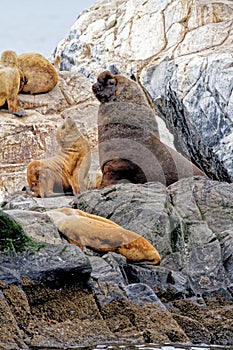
pixel 127 346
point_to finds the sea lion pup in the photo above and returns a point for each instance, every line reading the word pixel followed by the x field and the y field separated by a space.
pixel 128 141
pixel 67 170
pixel 40 74
pixel 100 234
pixel 10 82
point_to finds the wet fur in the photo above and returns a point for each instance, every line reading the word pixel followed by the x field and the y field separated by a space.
pixel 100 234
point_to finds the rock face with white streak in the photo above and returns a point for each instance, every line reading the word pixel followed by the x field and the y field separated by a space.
pixel 181 53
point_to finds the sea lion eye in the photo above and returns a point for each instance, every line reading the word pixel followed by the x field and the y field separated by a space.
pixel 111 82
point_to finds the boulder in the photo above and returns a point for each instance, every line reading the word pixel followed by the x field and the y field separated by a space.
pixel 186 222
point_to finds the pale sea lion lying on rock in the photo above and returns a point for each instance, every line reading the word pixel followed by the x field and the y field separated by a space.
pixel 40 74
pixel 11 81
pixel 100 234
pixel 128 142
pixel 67 170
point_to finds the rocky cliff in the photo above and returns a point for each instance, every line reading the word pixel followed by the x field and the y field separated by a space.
pixel 181 53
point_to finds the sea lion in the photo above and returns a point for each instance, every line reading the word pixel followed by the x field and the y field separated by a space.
pixel 103 235
pixel 40 74
pixel 65 171
pixel 11 81
pixel 128 141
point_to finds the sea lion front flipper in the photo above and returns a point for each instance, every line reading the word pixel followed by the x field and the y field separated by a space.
pixel 20 113
pixel 98 218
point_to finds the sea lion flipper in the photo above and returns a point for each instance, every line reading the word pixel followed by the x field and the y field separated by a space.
pixel 97 218
pixel 20 113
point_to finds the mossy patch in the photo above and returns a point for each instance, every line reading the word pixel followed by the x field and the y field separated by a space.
pixel 13 238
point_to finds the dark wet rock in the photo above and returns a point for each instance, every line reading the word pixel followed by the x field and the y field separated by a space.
pixel 194 329
pixel 54 265
pixel 141 293
pixel 10 335
pixel 169 285
pixel 109 281
pixel 9 276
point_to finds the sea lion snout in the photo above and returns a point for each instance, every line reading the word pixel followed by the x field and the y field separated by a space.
pixel 105 86
pixel 105 77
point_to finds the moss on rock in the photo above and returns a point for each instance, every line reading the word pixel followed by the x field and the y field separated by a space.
pixel 13 238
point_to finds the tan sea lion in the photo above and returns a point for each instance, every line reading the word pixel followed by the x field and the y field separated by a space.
pixel 40 74
pixel 65 171
pixel 11 81
pixel 100 234
pixel 128 141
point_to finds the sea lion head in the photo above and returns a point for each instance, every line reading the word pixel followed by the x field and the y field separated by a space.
pixel 105 87
pixel 9 57
pixel 67 133
pixel 118 88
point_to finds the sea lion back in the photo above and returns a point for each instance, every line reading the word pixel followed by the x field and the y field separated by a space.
pixel 40 74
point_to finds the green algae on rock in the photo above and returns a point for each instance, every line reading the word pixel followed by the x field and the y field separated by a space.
pixel 13 238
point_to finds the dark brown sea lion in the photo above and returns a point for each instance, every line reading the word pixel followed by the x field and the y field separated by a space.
pixel 128 140
pixel 100 234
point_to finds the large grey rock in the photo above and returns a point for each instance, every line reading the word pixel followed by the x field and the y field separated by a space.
pixel 28 255
pixel 185 222
pixel 194 96
pixel 190 224
pixel 167 283
pixel 109 282
pixel 53 265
